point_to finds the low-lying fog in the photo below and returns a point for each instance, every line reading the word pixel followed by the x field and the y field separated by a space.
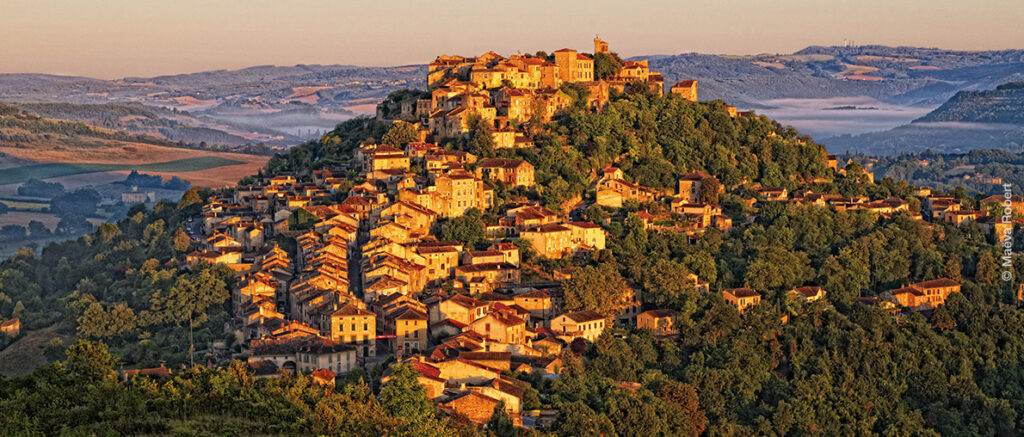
pixel 822 118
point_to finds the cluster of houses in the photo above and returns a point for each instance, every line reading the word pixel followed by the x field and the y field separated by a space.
pixel 368 277
pixel 509 92
pixel 326 286
pixel 884 207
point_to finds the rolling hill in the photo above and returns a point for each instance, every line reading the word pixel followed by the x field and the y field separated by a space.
pixel 32 146
pixel 992 119
pixel 1005 104
pixel 905 75
pixel 265 104
pixel 284 105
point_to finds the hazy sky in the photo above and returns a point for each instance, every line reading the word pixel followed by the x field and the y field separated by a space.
pixel 118 38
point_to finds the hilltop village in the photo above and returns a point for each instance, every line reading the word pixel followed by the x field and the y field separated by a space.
pixel 386 274
pixel 512 93
pixel 556 243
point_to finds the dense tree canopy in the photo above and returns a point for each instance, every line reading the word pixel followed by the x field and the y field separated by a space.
pixel 840 366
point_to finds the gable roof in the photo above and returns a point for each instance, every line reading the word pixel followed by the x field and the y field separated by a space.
pixel 935 283
pixel 659 313
pixel 465 301
pixel 742 292
pixel 584 316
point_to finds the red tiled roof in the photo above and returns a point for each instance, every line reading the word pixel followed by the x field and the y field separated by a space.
pixel 550 227
pixel 660 313
pixel 426 369
pixel 809 291
pixel 935 283
pixel 465 301
pixel 742 292
pixel 323 374
pixel 584 316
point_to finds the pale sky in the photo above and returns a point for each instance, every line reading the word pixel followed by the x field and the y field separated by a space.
pixel 119 38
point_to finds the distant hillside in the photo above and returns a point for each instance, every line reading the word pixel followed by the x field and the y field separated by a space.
pixel 24 130
pixel 936 137
pixel 895 74
pixel 1005 104
pixel 285 105
pixel 265 104
pixel 136 118
pixel 35 147
pixel 26 127
pixel 992 119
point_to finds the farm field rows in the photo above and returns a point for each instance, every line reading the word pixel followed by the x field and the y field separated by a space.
pixel 76 166
pixel 17 175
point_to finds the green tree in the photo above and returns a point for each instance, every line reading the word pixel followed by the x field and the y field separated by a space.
pixel 480 139
pixel 500 424
pixel 400 134
pixel 302 219
pixel 90 361
pixel 182 242
pixel 468 229
pixel 953 268
pixel 93 322
pixel 941 319
pixel 988 271
pixel 595 214
pixel 187 302
pixel 577 419
pixel 709 190
pixel 606 65
pixel 404 398
pixel 666 285
pixel 526 250
pixel 597 289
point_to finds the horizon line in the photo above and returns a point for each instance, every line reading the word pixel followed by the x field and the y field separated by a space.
pixel 273 65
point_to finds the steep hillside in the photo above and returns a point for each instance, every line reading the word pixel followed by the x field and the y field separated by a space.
pixel 1005 104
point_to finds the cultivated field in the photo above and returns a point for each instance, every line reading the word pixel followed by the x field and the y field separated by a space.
pixel 201 168
pixel 22 218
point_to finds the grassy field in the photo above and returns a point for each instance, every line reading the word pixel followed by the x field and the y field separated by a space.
pixel 17 175
pixel 23 205
pixel 25 354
